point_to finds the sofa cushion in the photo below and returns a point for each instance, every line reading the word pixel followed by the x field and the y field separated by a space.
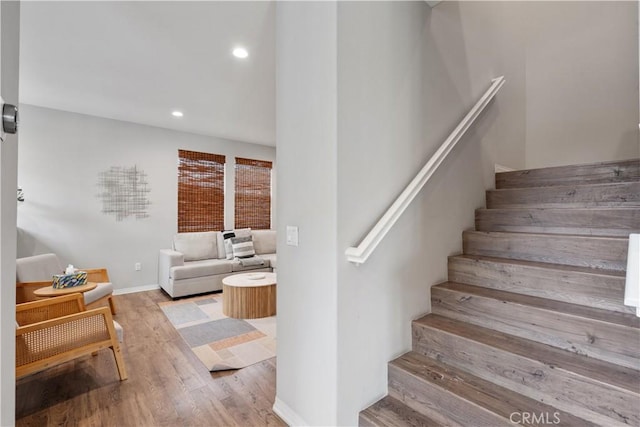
pixel 220 244
pixel 264 241
pixel 196 246
pixel 242 247
pixel 237 266
pixel 242 232
pixel 271 258
pixel 202 268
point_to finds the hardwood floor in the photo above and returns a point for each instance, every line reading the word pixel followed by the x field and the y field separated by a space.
pixel 167 384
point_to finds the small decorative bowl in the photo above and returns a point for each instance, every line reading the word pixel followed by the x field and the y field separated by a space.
pixel 61 281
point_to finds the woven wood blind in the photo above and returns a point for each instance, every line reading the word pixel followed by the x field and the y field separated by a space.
pixel 253 194
pixel 200 191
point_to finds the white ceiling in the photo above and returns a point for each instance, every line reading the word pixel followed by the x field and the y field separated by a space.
pixel 138 61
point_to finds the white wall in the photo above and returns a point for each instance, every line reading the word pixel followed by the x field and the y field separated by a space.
pixel 61 155
pixel 9 35
pixel 307 174
pixel 407 76
pixel 582 82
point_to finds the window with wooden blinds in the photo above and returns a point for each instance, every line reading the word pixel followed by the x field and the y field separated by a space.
pixel 253 194
pixel 200 191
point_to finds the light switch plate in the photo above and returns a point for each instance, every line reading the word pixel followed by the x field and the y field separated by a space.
pixel 292 235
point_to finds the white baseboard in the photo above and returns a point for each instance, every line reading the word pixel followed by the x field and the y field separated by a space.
pixel 499 168
pixel 135 289
pixel 287 414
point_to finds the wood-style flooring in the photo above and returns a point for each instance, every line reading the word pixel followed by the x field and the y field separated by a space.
pixel 167 385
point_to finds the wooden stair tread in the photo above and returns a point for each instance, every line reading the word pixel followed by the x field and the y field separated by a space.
pixel 604 372
pixel 574 328
pixel 478 391
pixel 594 221
pixel 390 412
pixel 621 194
pixel 579 285
pixel 612 171
pixel 621 319
pixel 587 251
pixel 545 265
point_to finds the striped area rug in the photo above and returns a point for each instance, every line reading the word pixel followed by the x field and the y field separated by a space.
pixel 221 342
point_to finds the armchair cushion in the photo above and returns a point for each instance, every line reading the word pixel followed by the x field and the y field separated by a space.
pixel 101 291
pixel 37 268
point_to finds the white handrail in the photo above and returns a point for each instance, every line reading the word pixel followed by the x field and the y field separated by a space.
pixel 359 255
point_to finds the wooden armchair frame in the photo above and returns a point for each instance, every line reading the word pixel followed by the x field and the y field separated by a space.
pixel 24 290
pixel 56 330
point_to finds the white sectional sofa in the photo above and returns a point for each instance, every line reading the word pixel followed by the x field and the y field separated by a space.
pixel 198 261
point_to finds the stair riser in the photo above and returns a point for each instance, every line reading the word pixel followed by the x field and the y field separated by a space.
pixel 582 251
pixel 600 340
pixel 590 222
pixel 628 170
pixel 427 398
pixel 579 395
pixel 592 290
pixel 578 196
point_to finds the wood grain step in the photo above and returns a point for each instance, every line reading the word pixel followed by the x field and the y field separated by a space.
pixel 596 333
pixel 598 391
pixel 390 412
pixel 458 398
pixel 585 286
pixel 593 173
pixel 583 221
pixel 624 194
pixel 609 253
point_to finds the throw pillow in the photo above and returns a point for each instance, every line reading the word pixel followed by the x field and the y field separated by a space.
pixel 228 247
pixel 242 247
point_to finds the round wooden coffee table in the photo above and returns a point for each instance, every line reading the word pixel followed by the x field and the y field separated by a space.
pixel 249 295
pixel 49 291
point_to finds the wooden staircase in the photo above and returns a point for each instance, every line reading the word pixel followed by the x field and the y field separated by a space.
pixel 531 328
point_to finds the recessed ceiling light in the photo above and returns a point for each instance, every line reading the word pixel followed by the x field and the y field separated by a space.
pixel 177 113
pixel 240 52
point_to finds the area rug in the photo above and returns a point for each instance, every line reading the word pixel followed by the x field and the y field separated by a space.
pixel 221 342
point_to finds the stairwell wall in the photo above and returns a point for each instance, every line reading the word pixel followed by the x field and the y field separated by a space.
pixel 582 81
pixel 407 74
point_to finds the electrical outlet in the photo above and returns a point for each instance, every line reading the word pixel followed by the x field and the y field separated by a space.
pixel 138 266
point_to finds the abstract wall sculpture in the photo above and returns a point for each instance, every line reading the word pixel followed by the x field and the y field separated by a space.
pixel 123 191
